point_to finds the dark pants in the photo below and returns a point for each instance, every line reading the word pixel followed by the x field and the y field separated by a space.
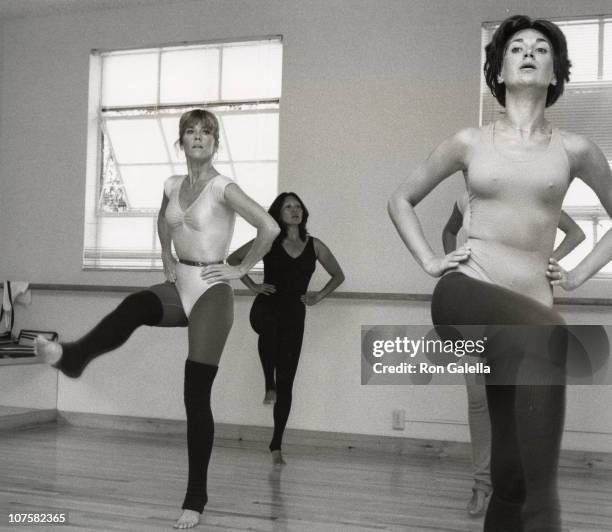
pixel 279 322
pixel 526 420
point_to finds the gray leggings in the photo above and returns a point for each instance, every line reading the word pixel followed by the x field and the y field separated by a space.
pixel 209 322
pixel 208 325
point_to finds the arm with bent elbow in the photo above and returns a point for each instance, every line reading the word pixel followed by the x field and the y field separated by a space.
pixel 573 236
pixel 236 258
pixel 267 231
pixel 448 158
pixel 590 164
pixel 330 264
pixel 165 238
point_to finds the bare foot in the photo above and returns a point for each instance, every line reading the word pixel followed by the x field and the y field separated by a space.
pixel 277 458
pixel 189 519
pixel 49 351
pixel 270 397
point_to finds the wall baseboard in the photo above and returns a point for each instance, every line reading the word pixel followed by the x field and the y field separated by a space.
pixel 18 418
pixel 252 433
pixel 315 439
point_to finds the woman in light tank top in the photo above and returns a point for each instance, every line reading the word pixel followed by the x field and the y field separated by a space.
pixel 517 171
pixel 479 423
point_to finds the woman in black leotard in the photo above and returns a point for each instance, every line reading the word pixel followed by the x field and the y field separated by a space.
pixel 517 171
pixel 278 311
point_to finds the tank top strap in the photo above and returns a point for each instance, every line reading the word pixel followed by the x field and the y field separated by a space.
pixel 311 248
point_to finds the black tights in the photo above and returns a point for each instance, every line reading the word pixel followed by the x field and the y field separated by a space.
pixel 141 308
pixel 526 420
pixel 280 326
pixel 209 324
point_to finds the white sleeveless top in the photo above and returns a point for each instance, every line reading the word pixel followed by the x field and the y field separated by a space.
pixel 204 230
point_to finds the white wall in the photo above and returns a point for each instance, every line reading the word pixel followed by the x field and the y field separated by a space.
pixel 369 87
pixel 28 386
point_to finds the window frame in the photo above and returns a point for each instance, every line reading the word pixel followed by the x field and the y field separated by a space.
pixel 93 258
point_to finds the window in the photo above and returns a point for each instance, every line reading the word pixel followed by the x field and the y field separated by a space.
pixel 584 108
pixel 136 99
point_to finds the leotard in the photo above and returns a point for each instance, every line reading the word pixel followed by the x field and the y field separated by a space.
pixel 200 233
pixel 514 207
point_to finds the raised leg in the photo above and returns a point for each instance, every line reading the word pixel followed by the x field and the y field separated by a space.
pixel 265 324
pixel 141 308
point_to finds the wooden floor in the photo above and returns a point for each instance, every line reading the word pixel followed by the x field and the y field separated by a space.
pixel 114 480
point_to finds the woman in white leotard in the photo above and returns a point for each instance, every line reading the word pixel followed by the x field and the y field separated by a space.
pixel 197 216
pixel 517 171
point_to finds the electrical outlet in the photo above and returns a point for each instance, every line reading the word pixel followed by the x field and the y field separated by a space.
pixel 399 419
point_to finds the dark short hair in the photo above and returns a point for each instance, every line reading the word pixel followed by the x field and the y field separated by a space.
pixel 199 116
pixel 275 212
pixel 496 49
